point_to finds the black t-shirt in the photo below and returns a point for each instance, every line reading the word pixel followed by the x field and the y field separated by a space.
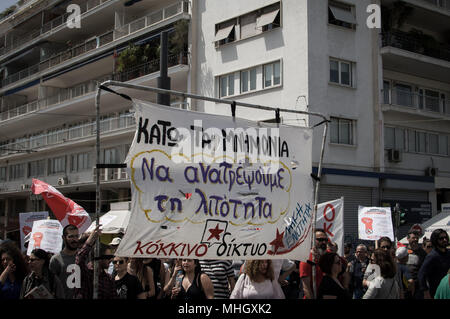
pixel 328 287
pixel 129 287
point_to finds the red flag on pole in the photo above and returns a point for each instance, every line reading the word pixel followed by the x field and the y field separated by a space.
pixel 65 209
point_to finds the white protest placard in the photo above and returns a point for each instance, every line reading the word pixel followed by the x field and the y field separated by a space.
pixel 104 221
pixel 330 217
pixel 209 187
pixel 26 224
pixel 374 223
pixel 47 235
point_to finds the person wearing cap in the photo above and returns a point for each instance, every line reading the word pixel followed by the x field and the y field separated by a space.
pixel 404 278
pixel 113 246
pixel 60 262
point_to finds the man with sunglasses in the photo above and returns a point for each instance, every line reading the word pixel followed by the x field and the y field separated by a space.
pixel 305 269
pixel 436 264
pixel 415 260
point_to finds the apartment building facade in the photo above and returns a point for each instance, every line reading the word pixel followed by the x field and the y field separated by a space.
pixel 387 97
pixel 49 76
pixel 386 91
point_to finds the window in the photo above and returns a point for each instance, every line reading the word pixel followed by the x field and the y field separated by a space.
pixel 226 85
pixel 443 144
pixel 421 142
pixel 225 32
pixel 341 72
pixel 432 100
pixel 248 80
pixel 16 171
pixel 80 162
pixel 341 131
pixel 341 14
pixel 248 25
pixel 386 92
pixel 109 156
pixel 403 95
pixel 394 138
pixel 57 165
pixel 3 174
pixel 433 140
pixel 269 18
pixel 36 168
pixel 272 74
pixel 429 143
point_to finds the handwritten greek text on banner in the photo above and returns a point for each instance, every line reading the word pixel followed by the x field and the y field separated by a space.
pixel 209 187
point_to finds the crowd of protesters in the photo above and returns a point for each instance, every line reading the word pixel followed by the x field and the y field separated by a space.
pixel 415 271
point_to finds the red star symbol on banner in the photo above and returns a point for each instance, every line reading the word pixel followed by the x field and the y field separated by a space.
pixel 215 232
pixel 278 241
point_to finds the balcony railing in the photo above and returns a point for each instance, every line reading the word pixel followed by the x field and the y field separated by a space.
pixel 444 4
pixel 96 42
pixel 108 125
pixel 416 101
pixel 49 26
pixel 90 86
pixel 413 43
pixel 152 19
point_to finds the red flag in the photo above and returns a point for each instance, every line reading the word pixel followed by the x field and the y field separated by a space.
pixel 65 209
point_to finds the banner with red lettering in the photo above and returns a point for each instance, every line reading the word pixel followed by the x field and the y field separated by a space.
pixel 212 187
pixel 64 209
pixel 330 217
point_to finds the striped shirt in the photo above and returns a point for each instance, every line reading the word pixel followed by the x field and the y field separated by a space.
pixel 218 271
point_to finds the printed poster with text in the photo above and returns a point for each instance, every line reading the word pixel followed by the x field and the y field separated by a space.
pixel 26 224
pixel 374 223
pixel 46 234
pixel 209 187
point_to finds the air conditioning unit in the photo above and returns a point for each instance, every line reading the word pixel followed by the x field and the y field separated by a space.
pixel 431 171
pixel 24 187
pixel 63 181
pixel 394 155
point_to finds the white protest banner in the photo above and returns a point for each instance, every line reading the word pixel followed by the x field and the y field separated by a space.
pixel 26 224
pixel 374 223
pixel 47 235
pixel 330 217
pixel 209 187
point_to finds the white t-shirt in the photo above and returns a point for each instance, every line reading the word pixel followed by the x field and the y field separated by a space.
pixel 247 289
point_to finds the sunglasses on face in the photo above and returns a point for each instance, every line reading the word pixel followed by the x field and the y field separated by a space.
pixel 428 246
pixel 385 247
pixel 322 239
pixel 443 238
pixel 118 262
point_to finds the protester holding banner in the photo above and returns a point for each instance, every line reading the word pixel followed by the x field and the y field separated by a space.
pixel 195 285
pixel 356 269
pixel 60 262
pixel 385 285
pixel 144 274
pixel 416 257
pixel 13 271
pixel 106 288
pixel 257 282
pixel 41 279
pixel 306 268
pixel 436 264
pixel 331 288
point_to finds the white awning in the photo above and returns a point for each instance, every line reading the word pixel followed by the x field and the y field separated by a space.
pixel 342 15
pixel 266 18
pixel 223 33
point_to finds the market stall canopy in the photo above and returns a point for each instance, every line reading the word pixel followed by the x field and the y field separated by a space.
pixel 441 220
pixel 116 220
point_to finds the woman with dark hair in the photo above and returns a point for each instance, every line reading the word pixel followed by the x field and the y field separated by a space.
pixel 41 277
pixel 195 285
pixel 13 271
pixel 385 284
pixel 257 282
pixel 330 287
pixel 137 268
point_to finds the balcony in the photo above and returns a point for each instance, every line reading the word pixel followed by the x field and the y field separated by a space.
pixel 99 41
pixel 416 103
pixel 90 86
pixel 86 6
pixel 416 54
pixel 417 44
pixel 88 130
